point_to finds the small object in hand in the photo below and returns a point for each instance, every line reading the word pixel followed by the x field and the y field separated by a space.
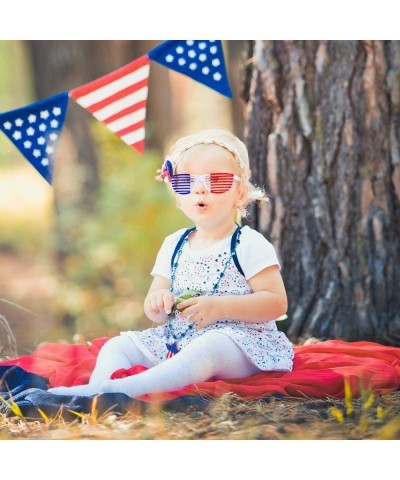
pixel 185 296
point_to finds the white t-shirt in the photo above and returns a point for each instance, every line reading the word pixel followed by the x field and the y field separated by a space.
pixel 254 252
pixel 262 343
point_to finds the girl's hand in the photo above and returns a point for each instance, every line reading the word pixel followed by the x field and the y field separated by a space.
pixel 160 301
pixel 204 310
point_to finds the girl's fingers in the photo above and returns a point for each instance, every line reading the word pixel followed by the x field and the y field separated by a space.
pixel 168 302
pixel 189 311
pixel 194 319
pixel 154 307
pixel 187 303
pixel 197 319
pixel 160 303
pixel 199 324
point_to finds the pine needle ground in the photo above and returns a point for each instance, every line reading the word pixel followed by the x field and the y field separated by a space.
pixel 228 418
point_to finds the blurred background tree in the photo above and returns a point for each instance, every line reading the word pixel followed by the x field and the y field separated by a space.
pixel 323 131
pixel 75 258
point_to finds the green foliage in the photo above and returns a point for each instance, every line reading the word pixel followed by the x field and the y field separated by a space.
pixel 108 272
pixel 109 254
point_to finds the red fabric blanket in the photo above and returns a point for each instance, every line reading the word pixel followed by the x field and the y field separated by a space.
pixel 319 370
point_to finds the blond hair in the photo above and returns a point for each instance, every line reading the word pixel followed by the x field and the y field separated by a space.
pixel 232 144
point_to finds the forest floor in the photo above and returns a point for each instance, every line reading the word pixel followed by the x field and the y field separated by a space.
pixel 228 418
pixel 225 418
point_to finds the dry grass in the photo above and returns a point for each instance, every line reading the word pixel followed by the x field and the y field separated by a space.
pixel 228 418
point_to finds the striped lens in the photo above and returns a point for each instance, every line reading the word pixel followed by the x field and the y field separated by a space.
pixel 185 183
pixel 221 182
pixel 181 183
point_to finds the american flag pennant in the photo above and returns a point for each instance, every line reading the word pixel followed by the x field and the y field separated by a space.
pixel 119 100
pixel 35 129
pixel 202 60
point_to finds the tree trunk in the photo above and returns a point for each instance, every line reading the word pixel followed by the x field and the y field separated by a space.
pixel 59 66
pixel 323 132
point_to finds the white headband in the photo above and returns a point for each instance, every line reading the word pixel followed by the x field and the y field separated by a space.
pixel 178 152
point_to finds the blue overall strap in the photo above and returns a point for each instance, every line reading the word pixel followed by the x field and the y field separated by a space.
pixel 233 245
pixel 235 235
pixel 178 245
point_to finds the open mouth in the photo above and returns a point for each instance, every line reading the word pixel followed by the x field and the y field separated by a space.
pixel 201 204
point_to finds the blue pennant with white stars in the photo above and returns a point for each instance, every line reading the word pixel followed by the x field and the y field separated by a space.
pixel 202 60
pixel 35 130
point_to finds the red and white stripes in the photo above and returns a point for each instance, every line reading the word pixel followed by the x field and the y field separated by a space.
pixel 119 100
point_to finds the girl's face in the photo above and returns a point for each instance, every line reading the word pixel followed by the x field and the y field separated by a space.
pixel 202 207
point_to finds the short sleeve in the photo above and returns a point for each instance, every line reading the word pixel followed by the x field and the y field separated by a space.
pixel 162 265
pixel 255 252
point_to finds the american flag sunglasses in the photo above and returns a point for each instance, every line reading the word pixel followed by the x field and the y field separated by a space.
pixel 184 183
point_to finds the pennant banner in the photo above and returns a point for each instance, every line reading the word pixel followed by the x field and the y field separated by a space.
pixel 202 60
pixel 119 100
pixel 35 129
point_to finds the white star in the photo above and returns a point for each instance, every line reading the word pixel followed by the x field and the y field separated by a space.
pixel 49 149
pixel 179 50
pixel 169 58
pixel 193 66
pixel 191 53
pixel 7 125
pixel 41 140
pixel 189 42
pixel 27 144
pixel 205 70
pixel 30 131
pixel 45 114
pixel 17 135
pixel 45 162
pixel 42 127
pixel 32 118
pixel 181 61
pixel 202 45
pixel 53 136
pixel 217 76
pixel 203 57
pixel 54 123
pixel 19 122
pixel 36 153
pixel 213 49
pixel 216 62
pixel 56 111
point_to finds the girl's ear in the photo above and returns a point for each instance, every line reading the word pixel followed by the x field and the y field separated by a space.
pixel 242 193
pixel 241 201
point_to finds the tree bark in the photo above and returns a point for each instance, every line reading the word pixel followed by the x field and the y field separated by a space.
pixel 323 132
pixel 59 66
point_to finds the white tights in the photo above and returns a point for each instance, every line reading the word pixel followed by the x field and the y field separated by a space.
pixel 211 356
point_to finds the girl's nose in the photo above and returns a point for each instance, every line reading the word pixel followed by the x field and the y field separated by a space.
pixel 199 187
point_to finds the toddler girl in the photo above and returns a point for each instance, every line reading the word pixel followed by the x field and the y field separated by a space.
pixel 225 327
